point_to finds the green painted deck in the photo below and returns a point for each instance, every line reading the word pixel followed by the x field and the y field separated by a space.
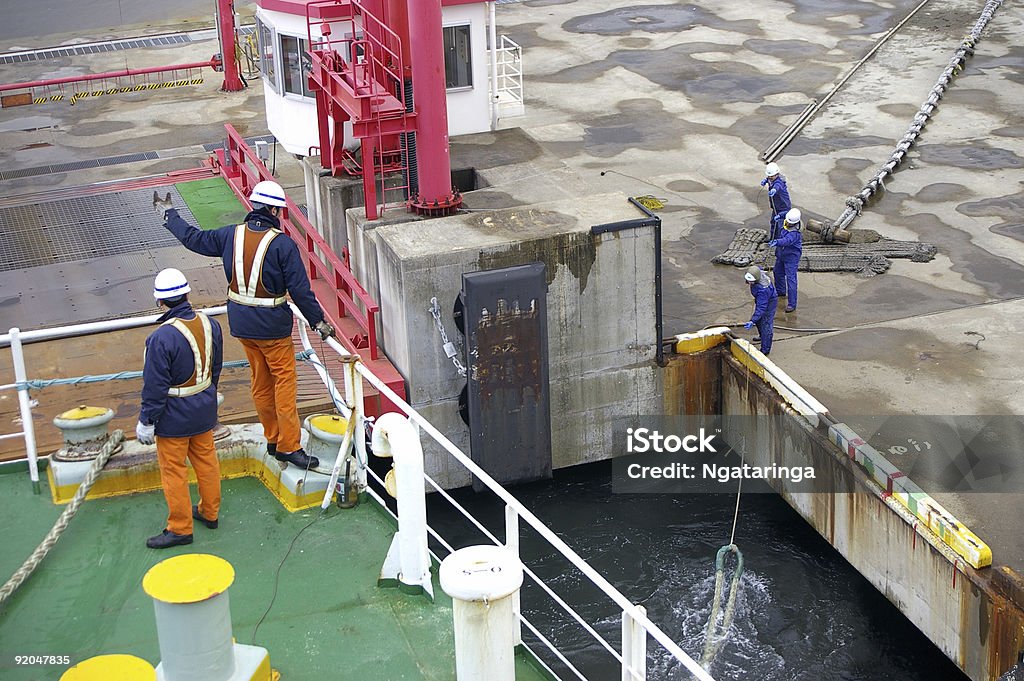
pixel 329 619
pixel 212 202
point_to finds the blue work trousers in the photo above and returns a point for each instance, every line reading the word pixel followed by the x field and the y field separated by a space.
pixel 785 276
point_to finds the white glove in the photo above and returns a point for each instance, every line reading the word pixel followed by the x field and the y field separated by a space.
pixel 145 434
pixel 162 205
pixel 324 329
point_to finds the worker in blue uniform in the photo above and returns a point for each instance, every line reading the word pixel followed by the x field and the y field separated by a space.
pixel 765 302
pixel 788 248
pixel 179 408
pixel 262 266
pixel 778 198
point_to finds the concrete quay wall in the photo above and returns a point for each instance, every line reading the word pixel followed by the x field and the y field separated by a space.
pixel 975 616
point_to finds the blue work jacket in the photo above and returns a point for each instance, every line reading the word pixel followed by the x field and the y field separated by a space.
pixel 283 272
pixel 170 362
pixel 789 243
pixel 778 196
pixel 765 300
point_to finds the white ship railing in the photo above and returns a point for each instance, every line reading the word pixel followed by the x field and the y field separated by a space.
pixel 17 339
pixel 636 626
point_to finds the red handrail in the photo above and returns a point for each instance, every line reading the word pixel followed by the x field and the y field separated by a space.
pixel 242 170
pixel 213 62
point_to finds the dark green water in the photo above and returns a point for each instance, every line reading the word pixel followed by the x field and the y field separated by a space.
pixel 803 614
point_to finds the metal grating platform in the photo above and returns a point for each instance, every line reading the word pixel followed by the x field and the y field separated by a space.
pixel 115 45
pixel 84 228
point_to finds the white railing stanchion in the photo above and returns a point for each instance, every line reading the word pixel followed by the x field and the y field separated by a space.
pixel 634 646
pixel 408 559
pixel 354 395
pixel 512 545
pixel 25 407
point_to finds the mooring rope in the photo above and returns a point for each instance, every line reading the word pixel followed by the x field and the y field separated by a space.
pixel 38 384
pixel 717 633
pixel 855 204
pixel 33 561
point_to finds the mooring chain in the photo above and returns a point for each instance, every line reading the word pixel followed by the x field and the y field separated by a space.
pixel 449 347
pixel 855 204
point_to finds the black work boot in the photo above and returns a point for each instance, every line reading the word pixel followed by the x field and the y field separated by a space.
pixel 212 524
pixel 299 458
pixel 167 539
pixel 272 448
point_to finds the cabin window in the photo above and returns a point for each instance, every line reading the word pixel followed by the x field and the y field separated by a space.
pixel 295 71
pixel 458 58
pixel 265 35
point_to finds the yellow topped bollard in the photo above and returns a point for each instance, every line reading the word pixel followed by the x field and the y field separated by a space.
pixel 85 432
pixel 109 667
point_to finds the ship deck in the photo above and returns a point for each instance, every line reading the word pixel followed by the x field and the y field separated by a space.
pixel 327 618
pixel 104 246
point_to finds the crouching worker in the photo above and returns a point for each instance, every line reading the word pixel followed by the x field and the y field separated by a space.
pixel 179 408
pixel 765 302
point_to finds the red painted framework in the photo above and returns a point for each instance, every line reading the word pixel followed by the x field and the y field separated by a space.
pixel 330 276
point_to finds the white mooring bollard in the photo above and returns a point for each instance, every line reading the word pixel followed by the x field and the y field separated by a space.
pixel 193 622
pixel 481 581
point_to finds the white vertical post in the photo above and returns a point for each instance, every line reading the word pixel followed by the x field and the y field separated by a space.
pixel 634 646
pixel 25 406
pixel 480 580
pixel 354 396
pixel 512 546
pixel 408 559
pixel 494 67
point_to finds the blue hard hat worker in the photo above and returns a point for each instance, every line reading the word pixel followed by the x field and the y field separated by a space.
pixel 263 267
pixel 778 198
pixel 788 248
pixel 765 302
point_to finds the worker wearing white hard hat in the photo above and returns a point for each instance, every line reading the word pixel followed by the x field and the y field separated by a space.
pixel 788 249
pixel 179 408
pixel 263 267
pixel 778 198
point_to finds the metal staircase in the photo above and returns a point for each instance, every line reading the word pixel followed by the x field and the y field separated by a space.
pixel 358 76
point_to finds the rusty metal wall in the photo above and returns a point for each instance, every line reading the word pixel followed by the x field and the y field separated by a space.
pixel 507 366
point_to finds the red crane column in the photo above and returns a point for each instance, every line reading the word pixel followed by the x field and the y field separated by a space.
pixel 226 23
pixel 426 48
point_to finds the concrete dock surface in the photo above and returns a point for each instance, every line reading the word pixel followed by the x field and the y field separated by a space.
pixel 678 100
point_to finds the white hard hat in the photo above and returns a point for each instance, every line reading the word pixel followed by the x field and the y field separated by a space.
pixel 268 193
pixel 771 169
pixel 793 216
pixel 170 283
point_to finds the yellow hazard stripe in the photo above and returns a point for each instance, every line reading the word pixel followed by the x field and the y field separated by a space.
pixel 954 533
pixel 119 90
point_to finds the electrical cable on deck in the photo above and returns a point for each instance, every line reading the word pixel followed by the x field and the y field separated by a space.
pixel 55 533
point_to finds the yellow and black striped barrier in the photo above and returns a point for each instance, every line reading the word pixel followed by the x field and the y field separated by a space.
pixel 119 90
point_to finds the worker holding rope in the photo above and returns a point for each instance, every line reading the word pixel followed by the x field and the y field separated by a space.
pixel 778 198
pixel 765 303
pixel 262 266
pixel 179 408
pixel 788 249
